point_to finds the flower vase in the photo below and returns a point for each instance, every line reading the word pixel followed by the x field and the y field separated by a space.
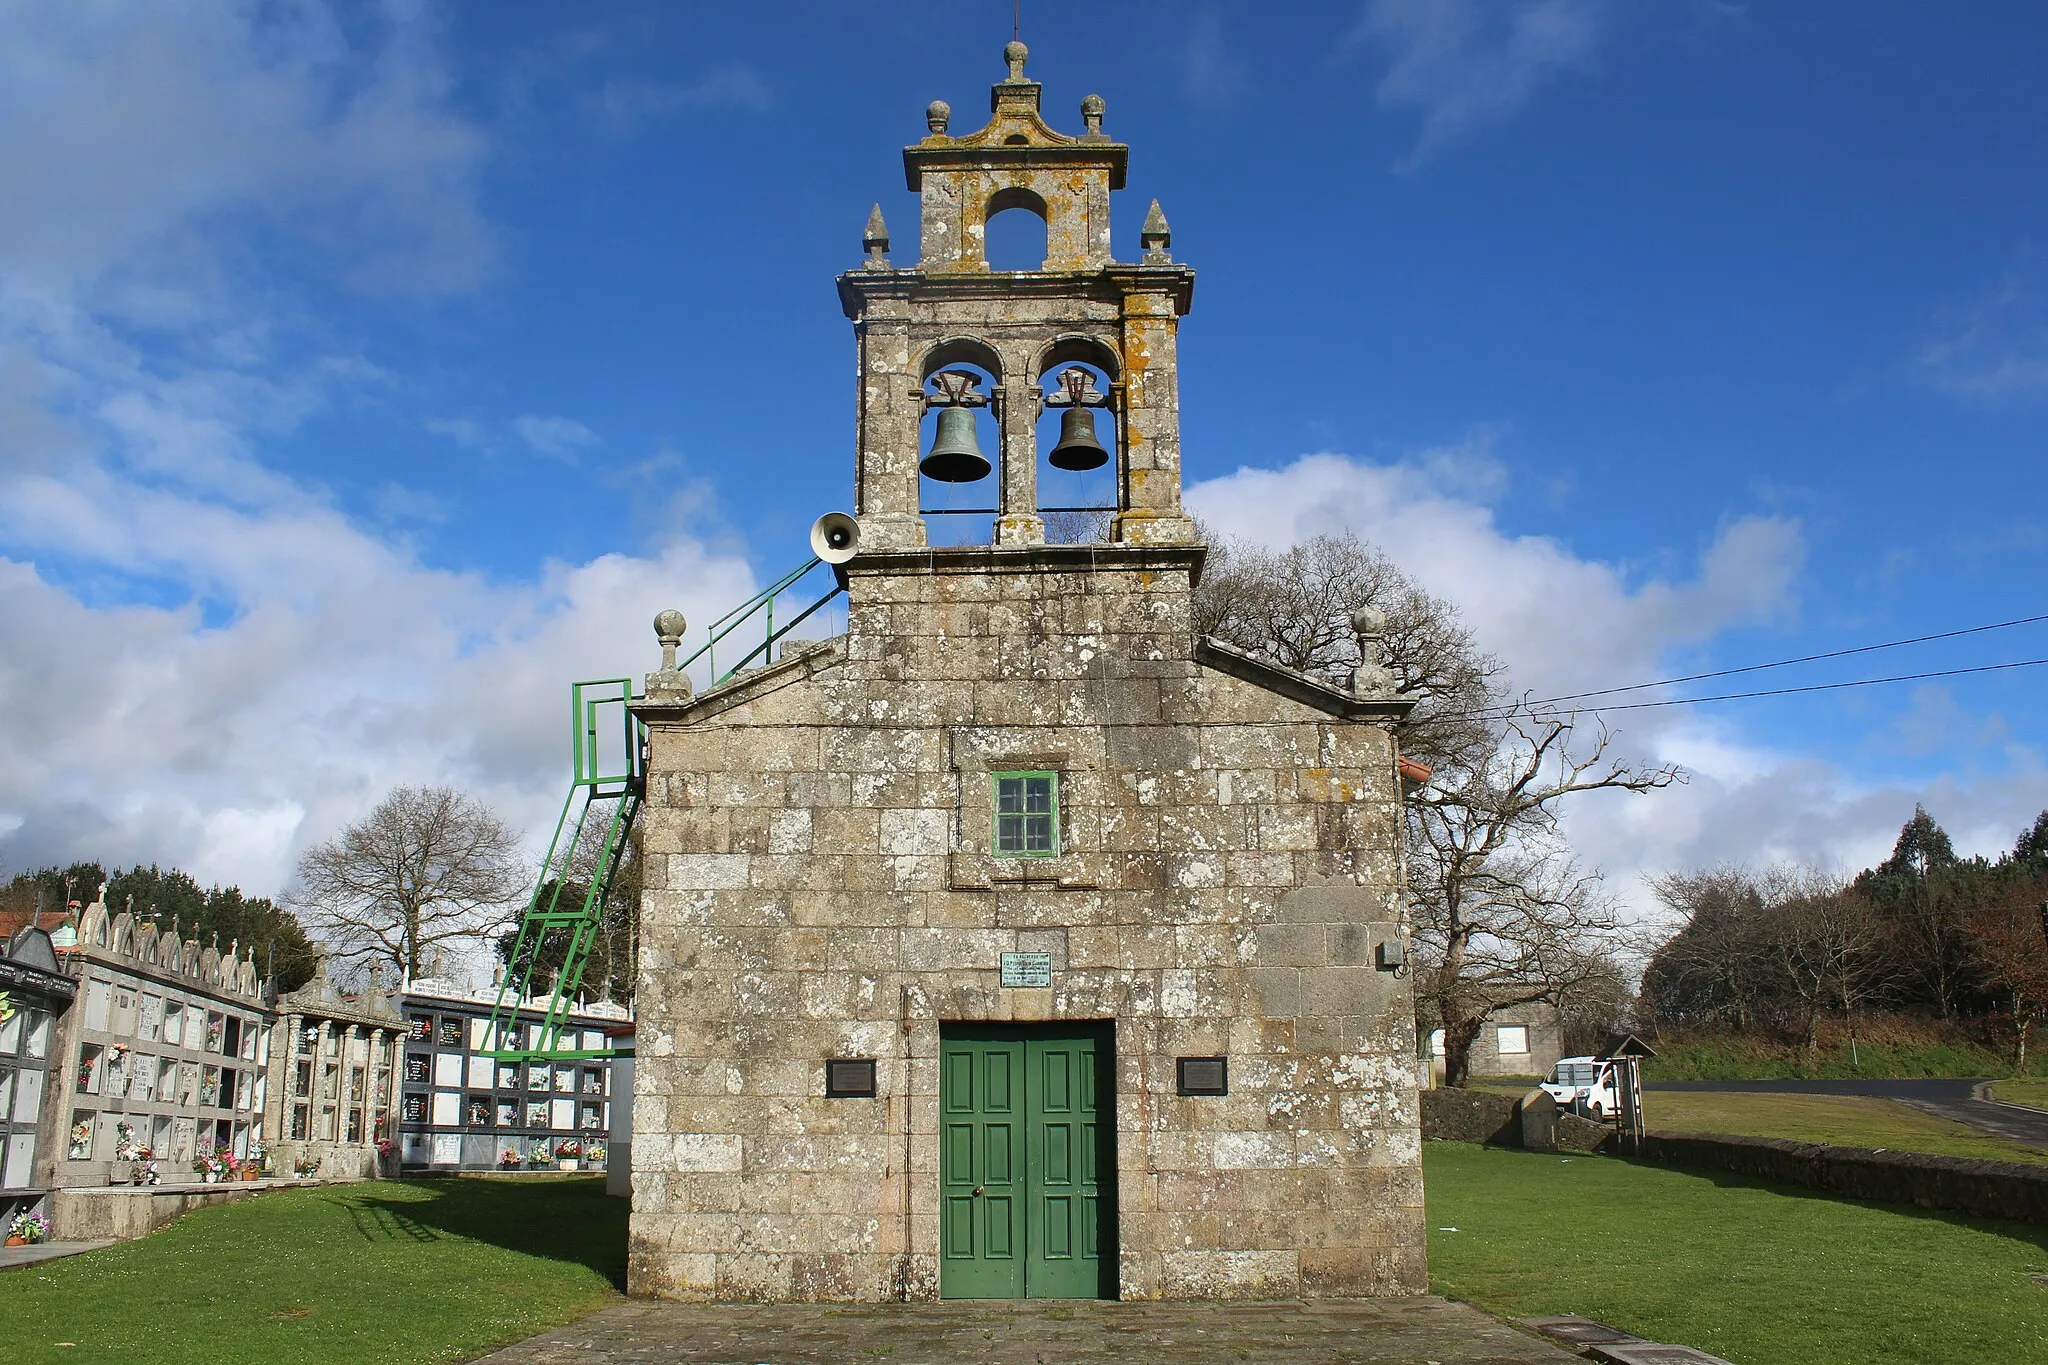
pixel 249 1173
pixel 17 1241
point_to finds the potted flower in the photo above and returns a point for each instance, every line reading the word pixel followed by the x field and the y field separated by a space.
pixel 252 1164
pixel 135 1152
pixel 537 1154
pixel 594 1155
pixel 208 1165
pixel 566 1153
pixel 306 1167
pixel 28 1228
pixel 509 1159
pixel 387 1152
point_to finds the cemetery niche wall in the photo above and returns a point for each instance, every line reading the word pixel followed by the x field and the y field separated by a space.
pixel 37 996
pixel 461 1109
pixel 335 1074
pixel 166 1047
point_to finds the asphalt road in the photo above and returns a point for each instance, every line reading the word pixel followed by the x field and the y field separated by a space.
pixel 1946 1099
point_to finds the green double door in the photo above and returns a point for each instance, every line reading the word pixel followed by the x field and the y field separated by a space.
pixel 1027 1163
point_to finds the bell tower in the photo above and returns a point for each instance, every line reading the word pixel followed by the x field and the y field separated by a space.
pixel 1035 335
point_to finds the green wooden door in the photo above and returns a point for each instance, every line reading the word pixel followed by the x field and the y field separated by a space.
pixel 1026 1165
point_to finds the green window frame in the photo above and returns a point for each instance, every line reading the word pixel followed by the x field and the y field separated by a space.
pixel 1027 814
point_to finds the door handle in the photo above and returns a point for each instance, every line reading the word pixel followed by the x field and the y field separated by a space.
pixel 977 1191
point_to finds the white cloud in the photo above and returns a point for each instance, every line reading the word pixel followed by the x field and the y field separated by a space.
pixel 1996 347
pixel 1467 63
pixel 1565 623
pixel 622 106
pixel 130 133
pixel 202 660
pixel 560 437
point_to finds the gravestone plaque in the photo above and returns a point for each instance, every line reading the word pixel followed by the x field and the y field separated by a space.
pixel 1579 1331
pixel 1027 969
pixel 1651 1353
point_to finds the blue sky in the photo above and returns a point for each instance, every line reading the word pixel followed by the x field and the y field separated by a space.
pixel 367 372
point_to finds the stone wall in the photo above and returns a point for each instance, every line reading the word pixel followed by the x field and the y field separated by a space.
pixel 2009 1190
pixel 819 883
pixel 1494 1117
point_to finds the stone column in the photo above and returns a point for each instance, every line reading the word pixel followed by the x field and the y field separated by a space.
pixel 890 407
pixel 1151 424
pixel 1018 522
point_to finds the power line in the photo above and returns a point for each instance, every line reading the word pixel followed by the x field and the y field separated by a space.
pixel 1811 687
pixel 1787 663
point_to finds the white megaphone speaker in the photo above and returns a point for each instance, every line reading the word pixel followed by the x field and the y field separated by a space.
pixel 835 537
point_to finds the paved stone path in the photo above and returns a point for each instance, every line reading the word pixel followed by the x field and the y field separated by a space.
pixel 1958 1100
pixel 34 1253
pixel 1422 1331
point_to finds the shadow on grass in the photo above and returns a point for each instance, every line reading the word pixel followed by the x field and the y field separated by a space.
pixel 560 1219
pixel 1729 1180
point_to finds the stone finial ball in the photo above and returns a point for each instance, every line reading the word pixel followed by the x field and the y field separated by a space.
pixel 1093 104
pixel 1368 620
pixel 669 624
pixel 1015 53
pixel 937 115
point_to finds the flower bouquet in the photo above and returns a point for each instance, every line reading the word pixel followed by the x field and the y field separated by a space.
pixel 567 1151
pixel 510 1159
pixel 28 1228
pixel 537 1153
pixel 129 1148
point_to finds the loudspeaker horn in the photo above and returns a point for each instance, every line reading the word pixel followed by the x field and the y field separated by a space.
pixel 835 537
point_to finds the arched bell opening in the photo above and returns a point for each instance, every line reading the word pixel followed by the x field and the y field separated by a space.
pixel 958 443
pixel 1077 441
pixel 1013 230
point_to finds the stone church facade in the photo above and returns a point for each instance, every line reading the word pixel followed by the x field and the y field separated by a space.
pixel 1019 942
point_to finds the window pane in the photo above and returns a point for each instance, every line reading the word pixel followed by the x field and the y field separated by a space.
pixel 10 1033
pixel 1010 794
pixel 1009 834
pixel 1037 833
pixel 1038 793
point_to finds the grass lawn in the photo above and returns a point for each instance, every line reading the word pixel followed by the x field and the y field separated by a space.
pixel 1846 1120
pixel 2030 1090
pixel 1758 1274
pixel 399 1271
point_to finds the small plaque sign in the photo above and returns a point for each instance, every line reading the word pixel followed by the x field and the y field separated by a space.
pixel 1027 969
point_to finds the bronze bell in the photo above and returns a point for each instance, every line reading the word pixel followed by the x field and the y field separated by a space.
pixel 955 457
pixel 1078 448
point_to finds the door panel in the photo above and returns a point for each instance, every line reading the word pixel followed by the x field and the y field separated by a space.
pixel 1025 1210
pixel 980 1240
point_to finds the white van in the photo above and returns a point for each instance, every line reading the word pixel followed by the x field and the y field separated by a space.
pixel 1585 1085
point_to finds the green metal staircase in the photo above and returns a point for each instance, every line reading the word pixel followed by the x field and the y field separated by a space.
pixel 606 791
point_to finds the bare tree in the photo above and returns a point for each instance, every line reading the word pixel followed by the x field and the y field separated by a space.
pixel 429 866
pixel 1717 968
pixel 2009 943
pixel 1295 609
pixel 1831 948
pixel 1502 913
